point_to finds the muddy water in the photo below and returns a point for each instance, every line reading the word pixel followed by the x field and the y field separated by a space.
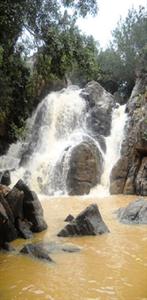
pixel 109 267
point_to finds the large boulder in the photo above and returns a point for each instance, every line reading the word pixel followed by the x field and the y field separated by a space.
pixel 85 167
pixel 20 213
pixel 15 199
pixel 33 211
pixel 99 106
pixel 8 231
pixel 134 213
pixel 88 222
pixel 133 162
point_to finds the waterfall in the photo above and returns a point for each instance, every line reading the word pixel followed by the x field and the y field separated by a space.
pixel 58 123
pixel 113 147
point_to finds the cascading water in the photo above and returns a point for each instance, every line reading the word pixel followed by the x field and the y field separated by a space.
pixel 113 143
pixel 57 124
pixel 113 147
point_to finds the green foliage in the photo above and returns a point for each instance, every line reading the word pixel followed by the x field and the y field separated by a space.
pixel 126 54
pixel 60 56
pixel 53 26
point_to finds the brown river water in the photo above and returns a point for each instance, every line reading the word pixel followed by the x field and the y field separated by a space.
pixel 108 267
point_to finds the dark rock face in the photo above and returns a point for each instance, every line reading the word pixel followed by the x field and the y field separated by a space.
pixel 99 106
pixel 88 222
pixel 134 213
pixel 5 179
pixel 129 175
pixel 85 168
pixel 24 229
pixel 69 218
pixel 20 213
pixel 32 208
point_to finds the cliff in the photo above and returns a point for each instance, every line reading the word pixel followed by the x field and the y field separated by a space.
pixel 129 175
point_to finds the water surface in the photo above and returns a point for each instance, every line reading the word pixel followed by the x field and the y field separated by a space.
pixel 109 267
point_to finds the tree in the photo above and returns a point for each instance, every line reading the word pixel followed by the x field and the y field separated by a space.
pixel 50 22
pixel 129 40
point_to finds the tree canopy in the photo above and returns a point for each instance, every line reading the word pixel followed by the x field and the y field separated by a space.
pixel 120 62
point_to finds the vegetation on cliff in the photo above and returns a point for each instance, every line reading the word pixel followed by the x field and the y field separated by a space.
pixel 62 52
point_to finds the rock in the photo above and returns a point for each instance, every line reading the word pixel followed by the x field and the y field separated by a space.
pixel 70 248
pixel 7 247
pixel 7 209
pixel 33 211
pixel 141 179
pixel 133 159
pixel 23 228
pixel 54 247
pixel 85 167
pixel 118 176
pixel 100 104
pixel 36 251
pixel 69 218
pixel 7 229
pixel 4 190
pixel 134 213
pixel 88 222
pixel 5 179
pixel 15 200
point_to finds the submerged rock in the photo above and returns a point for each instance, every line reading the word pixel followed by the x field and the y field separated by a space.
pixel 88 222
pixel 36 251
pixel 54 247
pixel 134 213
pixel 42 250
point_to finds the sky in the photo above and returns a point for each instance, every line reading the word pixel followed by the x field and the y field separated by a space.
pixel 106 20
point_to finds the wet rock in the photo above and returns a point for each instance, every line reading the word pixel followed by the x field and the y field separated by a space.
pixel 36 251
pixel 99 106
pixel 118 176
pixel 7 209
pixel 141 179
pixel 88 222
pixel 7 229
pixel 134 213
pixel 54 247
pixel 70 248
pixel 15 200
pixel 33 211
pixel 85 167
pixel 4 190
pixel 134 146
pixel 7 247
pixel 23 228
pixel 69 218
pixel 6 179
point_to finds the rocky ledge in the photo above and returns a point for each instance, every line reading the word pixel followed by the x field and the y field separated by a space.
pixel 129 175
pixel 21 213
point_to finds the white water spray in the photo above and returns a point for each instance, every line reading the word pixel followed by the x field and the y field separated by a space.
pixel 57 124
pixel 113 147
